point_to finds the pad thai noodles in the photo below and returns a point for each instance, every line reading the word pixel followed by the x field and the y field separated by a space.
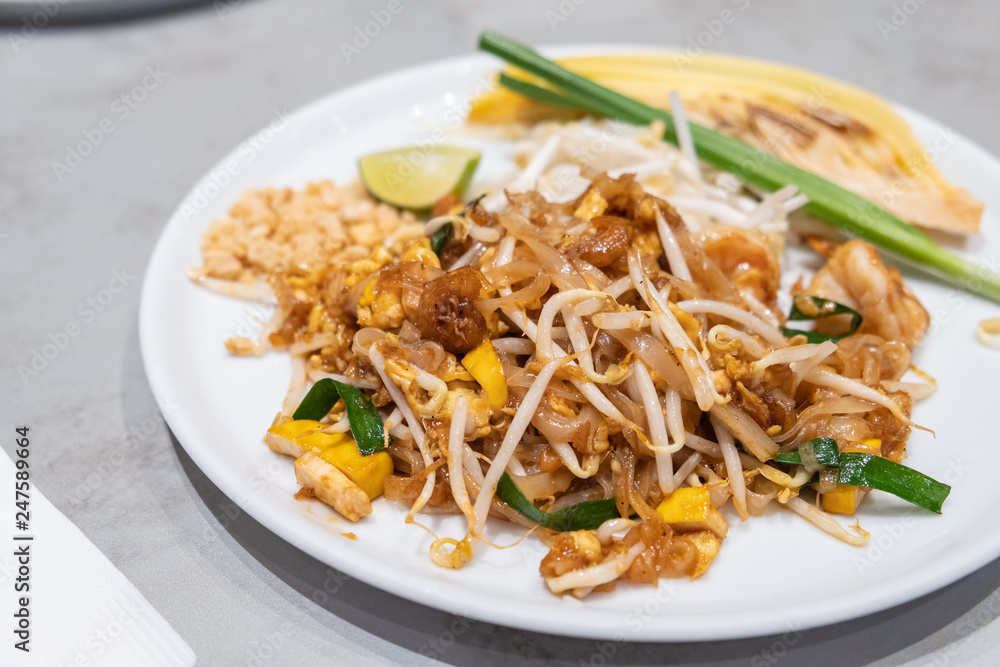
pixel 599 351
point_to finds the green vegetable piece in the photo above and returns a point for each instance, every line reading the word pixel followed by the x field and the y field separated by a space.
pixel 440 237
pixel 555 99
pixel 827 201
pixel 874 472
pixel 366 423
pixel 808 307
pixel 825 450
pixel 318 401
pixel 473 203
pixel 587 515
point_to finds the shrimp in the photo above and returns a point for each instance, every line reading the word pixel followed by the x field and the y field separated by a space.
pixel 855 276
pixel 746 259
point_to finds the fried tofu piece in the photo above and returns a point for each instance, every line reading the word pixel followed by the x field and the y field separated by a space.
pixel 281 438
pixel 331 486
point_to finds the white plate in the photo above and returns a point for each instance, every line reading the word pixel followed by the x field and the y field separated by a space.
pixel 774 574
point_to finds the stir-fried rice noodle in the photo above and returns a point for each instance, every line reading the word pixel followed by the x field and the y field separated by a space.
pixel 624 304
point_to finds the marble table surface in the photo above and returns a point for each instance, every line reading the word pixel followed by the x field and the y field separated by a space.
pixel 213 75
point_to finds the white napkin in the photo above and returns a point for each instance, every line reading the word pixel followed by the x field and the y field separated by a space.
pixel 81 610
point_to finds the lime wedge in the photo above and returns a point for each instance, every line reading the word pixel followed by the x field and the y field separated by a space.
pixel 418 176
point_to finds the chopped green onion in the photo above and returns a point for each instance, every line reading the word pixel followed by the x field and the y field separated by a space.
pixel 440 237
pixel 874 472
pixel 827 201
pixel 318 401
pixel 473 203
pixel 824 449
pixel 366 423
pixel 808 307
pixel 588 515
